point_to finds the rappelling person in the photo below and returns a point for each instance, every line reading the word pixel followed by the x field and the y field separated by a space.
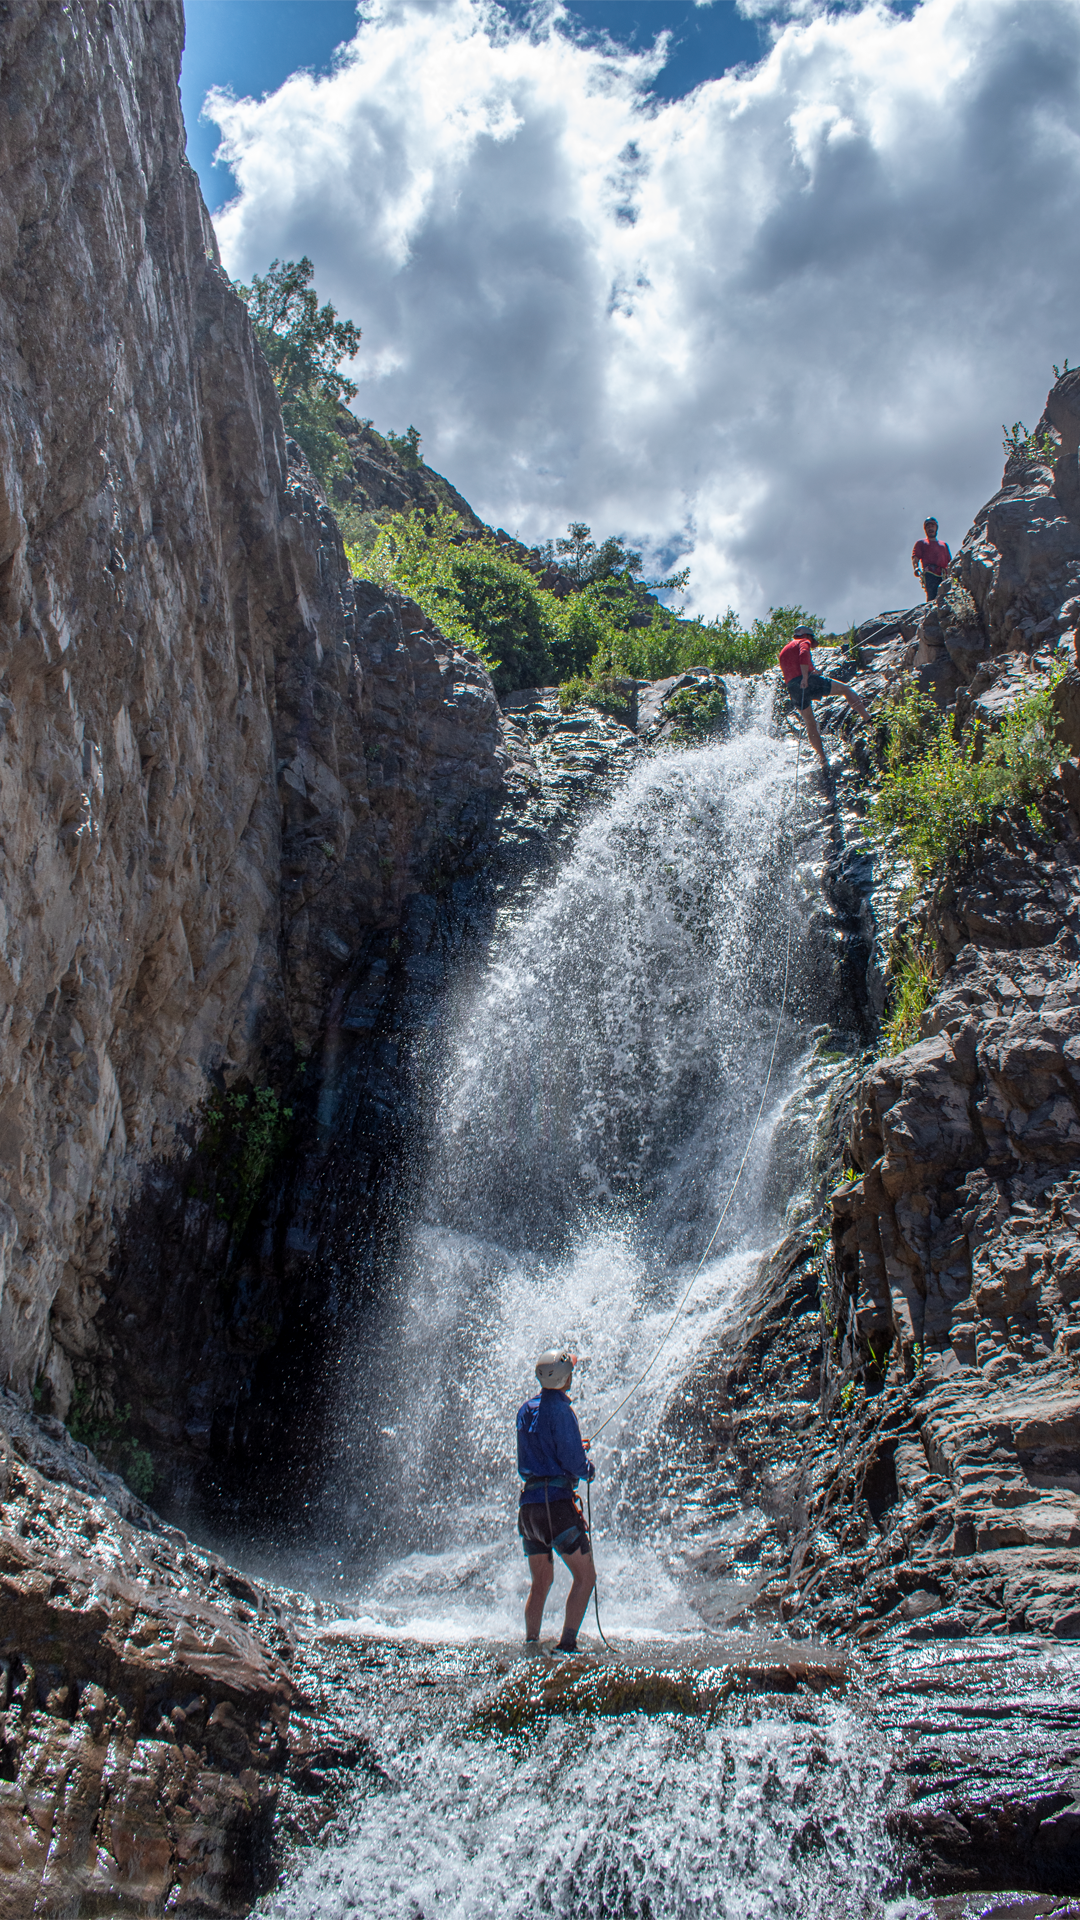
pixel 804 686
pixel 551 1460
pixel 930 559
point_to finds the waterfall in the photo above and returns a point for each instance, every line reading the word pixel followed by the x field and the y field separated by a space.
pixel 599 1090
pixel 600 1084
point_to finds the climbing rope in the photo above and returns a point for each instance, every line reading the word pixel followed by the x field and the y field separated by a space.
pixel 596 1584
pixel 642 1377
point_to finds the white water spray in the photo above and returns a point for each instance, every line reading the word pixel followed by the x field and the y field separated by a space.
pixel 599 1093
pixel 597 1101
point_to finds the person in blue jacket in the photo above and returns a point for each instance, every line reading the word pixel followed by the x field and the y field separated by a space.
pixel 551 1461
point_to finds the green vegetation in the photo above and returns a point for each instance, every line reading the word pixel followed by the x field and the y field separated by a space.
pixel 107 1435
pixel 607 692
pixel 670 644
pixel 406 445
pixel 939 792
pixel 305 345
pixel 1036 446
pixel 609 628
pixel 243 1138
pixel 912 986
pixel 696 711
pixel 578 555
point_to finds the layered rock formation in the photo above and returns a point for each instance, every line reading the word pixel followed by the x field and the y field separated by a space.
pixel 223 762
pixel 145 1699
pixel 956 1256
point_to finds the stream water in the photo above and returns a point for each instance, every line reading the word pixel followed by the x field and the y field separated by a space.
pixel 597 1096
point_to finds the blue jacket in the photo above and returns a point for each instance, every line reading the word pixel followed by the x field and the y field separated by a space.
pixel 549 1447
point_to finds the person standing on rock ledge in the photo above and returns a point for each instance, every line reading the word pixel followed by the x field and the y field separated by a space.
pixel 930 559
pixel 804 686
pixel 551 1461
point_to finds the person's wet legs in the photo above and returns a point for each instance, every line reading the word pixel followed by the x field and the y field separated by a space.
pixel 812 734
pixel 542 1569
pixel 852 699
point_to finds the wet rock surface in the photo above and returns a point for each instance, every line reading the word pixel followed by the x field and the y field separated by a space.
pixel 146 1698
pixel 986 1747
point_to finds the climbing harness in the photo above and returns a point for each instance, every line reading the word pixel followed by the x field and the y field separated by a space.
pixel 642 1377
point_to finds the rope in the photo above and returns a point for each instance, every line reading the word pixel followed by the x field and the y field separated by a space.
pixel 596 1584
pixel 661 1344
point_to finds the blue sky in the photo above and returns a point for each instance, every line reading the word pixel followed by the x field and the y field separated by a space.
pixel 759 307
pixel 251 46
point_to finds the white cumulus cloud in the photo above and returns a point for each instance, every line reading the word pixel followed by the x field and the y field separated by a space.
pixel 767 326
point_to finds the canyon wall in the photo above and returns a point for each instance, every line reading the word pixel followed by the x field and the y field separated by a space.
pixel 932 1488
pixel 224 762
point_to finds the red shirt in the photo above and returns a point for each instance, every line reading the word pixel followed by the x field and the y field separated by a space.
pixel 793 657
pixel 934 555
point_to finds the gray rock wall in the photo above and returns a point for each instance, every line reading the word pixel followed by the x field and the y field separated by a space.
pixel 221 761
pixel 954 1282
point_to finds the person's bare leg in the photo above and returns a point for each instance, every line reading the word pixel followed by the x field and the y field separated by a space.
pixel 852 700
pixel 813 735
pixel 542 1568
pixel 583 1577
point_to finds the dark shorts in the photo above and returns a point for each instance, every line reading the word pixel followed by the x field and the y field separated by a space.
pixel 816 688
pixel 568 1532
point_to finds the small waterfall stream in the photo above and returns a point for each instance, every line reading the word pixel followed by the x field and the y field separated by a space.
pixel 596 1100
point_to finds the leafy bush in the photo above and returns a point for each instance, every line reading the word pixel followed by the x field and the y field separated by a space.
pixel 939 792
pixel 697 711
pixel 606 691
pixel 406 445
pixel 1034 445
pixel 610 629
pixel 673 645
pixel 505 609
pixel 483 599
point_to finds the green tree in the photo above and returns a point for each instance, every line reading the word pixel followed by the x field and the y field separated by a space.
pixel 406 445
pixel 305 344
pixel 587 564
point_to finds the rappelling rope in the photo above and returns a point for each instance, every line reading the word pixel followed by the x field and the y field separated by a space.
pixel 642 1377
pixel 662 1342
pixel 596 1584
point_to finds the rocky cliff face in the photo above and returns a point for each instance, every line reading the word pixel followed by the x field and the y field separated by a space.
pixel 956 1242
pixel 223 763
pixel 908 1463
pixel 145 1699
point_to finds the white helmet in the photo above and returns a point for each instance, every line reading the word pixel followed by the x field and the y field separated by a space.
pixel 555 1370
